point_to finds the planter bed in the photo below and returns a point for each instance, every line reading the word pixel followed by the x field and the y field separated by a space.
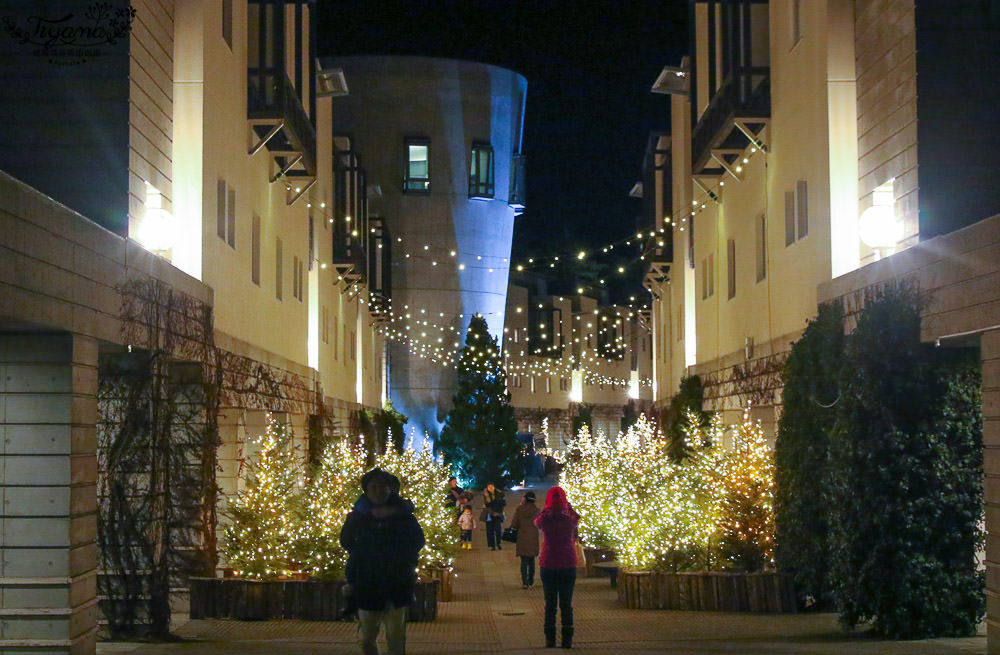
pixel 309 600
pixel 707 591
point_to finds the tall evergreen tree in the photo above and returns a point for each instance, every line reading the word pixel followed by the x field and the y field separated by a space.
pixel 907 479
pixel 802 451
pixel 688 399
pixel 480 433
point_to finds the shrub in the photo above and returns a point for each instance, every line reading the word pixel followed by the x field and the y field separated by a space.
pixel 906 474
pixel 801 452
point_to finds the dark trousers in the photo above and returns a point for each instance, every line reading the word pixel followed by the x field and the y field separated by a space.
pixel 558 585
pixel 467 535
pixel 527 570
pixel 494 529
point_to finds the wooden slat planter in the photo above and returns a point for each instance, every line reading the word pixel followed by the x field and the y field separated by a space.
pixel 309 600
pixel 446 578
pixel 707 591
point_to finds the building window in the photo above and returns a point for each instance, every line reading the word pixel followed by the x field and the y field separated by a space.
pixel 795 18
pixel 531 384
pixel 277 267
pixel 548 384
pixel 761 240
pixel 797 213
pixel 325 313
pixel 708 276
pixel 481 171
pixel 255 249
pixel 354 352
pixel 227 22
pixel 296 279
pixel 801 209
pixel 336 344
pixel 731 268
pixel 225 213
pixel 417 173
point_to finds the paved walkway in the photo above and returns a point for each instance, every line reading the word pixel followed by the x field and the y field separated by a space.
pixel 491 614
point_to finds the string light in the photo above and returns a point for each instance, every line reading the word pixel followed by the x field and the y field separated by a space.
pixel 659 514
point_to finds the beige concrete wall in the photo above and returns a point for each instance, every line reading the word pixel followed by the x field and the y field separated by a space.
pixel 327 329
pixel 151 110
pixel 887 106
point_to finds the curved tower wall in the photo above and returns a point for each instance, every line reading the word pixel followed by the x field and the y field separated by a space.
pixel 453 104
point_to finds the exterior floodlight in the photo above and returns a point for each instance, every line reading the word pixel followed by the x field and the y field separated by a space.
pixel 879 228
pixel 672 80
pixel 331 82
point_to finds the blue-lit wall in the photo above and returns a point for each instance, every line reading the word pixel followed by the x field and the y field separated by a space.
pixel 454 104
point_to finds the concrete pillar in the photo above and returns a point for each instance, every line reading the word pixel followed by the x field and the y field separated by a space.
pixel 48 497
pixel 991 468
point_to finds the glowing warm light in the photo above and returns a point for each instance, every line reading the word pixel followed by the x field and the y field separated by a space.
pixel 878 227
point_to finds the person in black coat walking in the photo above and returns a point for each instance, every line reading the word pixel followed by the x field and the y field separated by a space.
pixel 383 540
pixel 493 504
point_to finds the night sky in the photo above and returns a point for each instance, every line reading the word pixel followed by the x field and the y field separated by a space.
pixel 589 67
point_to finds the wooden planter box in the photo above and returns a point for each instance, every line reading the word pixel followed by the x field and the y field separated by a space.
pixel 592 555
pixel 707 591
pixel 309 600
pixel 446 580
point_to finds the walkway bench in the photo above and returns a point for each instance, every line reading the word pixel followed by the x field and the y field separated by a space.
pixel 611 569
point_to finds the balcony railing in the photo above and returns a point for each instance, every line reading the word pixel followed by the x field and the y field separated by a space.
pixel 745 95
pixel 272 97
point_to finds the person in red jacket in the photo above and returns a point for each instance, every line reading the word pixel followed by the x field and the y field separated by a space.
pixel 558 524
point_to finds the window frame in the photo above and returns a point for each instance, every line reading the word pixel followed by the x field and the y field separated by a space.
pixel 409 179
pixel 478 187
pixel 255 249
pixel 731 269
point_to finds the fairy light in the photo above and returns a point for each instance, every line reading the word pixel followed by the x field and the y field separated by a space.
pixel 655 512
pixel 280 528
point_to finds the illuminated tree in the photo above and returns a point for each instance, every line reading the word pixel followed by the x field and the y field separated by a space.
pixel 267 514
pixel 657 513
pixel 330 495
pixel 480 433
pixel 633 498
pixel 747 525
pixel 336 486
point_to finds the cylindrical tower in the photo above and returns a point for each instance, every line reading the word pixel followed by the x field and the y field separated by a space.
pixel 441 139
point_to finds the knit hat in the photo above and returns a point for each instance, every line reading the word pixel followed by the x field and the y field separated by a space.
pixel 391 480
pixel 530 496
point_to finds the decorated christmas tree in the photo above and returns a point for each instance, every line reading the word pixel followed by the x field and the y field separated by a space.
pixel 422 479
pixel 747 526
pixel 266 515
pixel 336 485
pixel 480 433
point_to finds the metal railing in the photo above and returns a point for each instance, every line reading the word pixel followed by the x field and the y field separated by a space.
pixel 746 94
pixel 271 95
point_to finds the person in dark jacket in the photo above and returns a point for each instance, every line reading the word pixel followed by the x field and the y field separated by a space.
pixel 527 537
pixel 383 540
pixel 492 516
pixel 558 524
